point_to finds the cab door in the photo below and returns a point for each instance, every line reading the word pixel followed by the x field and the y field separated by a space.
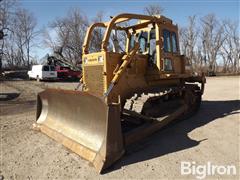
pixel 150 48
pixel 170 60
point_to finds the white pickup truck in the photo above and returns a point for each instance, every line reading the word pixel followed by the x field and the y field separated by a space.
pixel 42 72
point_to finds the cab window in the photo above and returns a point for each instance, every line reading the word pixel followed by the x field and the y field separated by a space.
pixel 168 65
pixel 166 41
pixel 174 42
pixel 143 42
pixel 152 42
pixel 152 48
pixel 132 42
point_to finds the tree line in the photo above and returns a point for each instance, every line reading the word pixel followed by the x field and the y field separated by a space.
pixel 209 43
pixel 19 32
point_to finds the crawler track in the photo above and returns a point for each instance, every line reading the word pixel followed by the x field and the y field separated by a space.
pixel 163 101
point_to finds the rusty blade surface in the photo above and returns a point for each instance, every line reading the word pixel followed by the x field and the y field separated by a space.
pixel 81 121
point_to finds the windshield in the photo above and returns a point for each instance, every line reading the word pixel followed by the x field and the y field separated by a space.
pixel 167 40
pixel 143 42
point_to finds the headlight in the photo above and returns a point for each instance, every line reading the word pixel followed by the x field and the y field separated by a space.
pixel 100 59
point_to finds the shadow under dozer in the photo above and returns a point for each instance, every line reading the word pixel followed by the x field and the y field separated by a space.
pixel 97 131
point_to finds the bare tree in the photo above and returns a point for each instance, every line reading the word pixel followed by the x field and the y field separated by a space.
pixel 69 32
pixel 48 39
pixel 28 24
pixel 212 40
pixel 190 46
pixel 24 31
pixel 6 12
pixel 188 38
pixel 230 50
pixel 153 9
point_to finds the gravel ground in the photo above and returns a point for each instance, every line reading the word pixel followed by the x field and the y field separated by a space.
pixel 212 135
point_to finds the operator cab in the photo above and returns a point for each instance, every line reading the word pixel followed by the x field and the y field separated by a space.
pixel 159 42
pixel 147 42
pixel 107 44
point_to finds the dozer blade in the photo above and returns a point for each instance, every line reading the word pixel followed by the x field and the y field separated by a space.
pixel 83 123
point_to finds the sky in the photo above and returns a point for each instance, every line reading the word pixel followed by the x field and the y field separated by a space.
pixel 178 10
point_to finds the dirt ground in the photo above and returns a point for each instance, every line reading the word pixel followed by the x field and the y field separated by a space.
pixel 212 135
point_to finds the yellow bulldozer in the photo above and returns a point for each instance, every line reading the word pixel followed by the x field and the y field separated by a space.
pixel 131 88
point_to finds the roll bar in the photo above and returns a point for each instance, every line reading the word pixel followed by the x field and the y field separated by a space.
pixel 121 18
pixel 112 25
pixel 88 35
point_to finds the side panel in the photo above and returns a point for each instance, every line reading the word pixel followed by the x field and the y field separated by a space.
pixel 93 75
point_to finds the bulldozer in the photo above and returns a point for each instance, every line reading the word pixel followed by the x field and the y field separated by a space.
pixel 130 88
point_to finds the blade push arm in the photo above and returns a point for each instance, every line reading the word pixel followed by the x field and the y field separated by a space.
pixel 127 59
